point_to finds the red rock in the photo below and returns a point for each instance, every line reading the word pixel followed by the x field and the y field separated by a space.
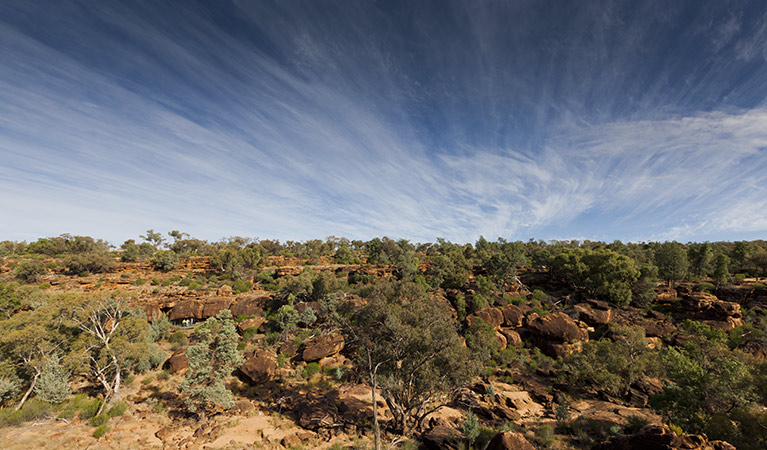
pixel 255 322
pixel 322 346
pixel 657 437
pixel 177 362
pixel 557 326
pixel 212 307
pixel 493 316
pixel 261 367
pixel 509 440
pixel 594 316
pixel 188 309
pixel 513 316
pixel 512 337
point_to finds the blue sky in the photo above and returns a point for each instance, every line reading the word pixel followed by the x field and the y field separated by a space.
pixel 295 120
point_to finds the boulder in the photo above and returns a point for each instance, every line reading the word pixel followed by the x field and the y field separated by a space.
pixel 248 306
pixel 509 440
pixel 255 322
pixel 445 416
pixel 493 316
pixel 708 308
pixel 224 291
pixel 322 346
pixel 177 362
pixel 189 309
pixel 500 339
pixel 314 412
pixel 557 327
pixel 656 327
pixel 521 402
pixel 512 337
pixel 513 316
pixel 261 367
pixel 213 306
pixel 593 315
pixel 442 438
pixel 660 437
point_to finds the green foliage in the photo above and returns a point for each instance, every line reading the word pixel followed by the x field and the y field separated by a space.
pixel 470 427
pixel 10 301
pixel 9 388
pixel 160 327
pixel 707 379
pixel 29 270
pixel 601 273
pixel 721 272
pixel 118 409
pixel 211 360
pixel 101 431
pixel 53 383
pixel 345 255
pixel 611 365
pixel 34 409
pixel 97 421
pixel 477 302
pixel 544 435
pixel 671 259
pixel 410 338
pixel 286 317
pixel 91 262
pixel 177 340
pixel 311 369
pixel 643 292
pixel 165 260
pixel 89 409
pixel 308 317
pixel 481 340
pixel 241 286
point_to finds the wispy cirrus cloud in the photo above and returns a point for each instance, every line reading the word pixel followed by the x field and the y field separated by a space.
pixel 299 121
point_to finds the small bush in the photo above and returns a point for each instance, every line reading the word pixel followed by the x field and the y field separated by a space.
pixel 97 421
pixel 241 286
pixel 89 409
pixel 33 409
pixel 311 369
pixel 705 287
pixel 53 383
pixel 29 271
pixel 87 263
pixel 282 358
pixel 178 340
pixel 160 327
pixel 100 431
pixel 118 409
pixel 544 435
pixel 165 260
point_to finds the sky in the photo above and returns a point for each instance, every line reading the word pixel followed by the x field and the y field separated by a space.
pixel 294 120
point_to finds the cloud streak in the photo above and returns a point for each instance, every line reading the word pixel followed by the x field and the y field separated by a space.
pixel 305 120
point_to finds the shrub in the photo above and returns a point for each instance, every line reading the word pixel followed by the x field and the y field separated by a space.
pixel 93 262
pixel 89 409
pixel 241 286
pixel 311 369
pixel 165 260
pixel 705 287
pixel 286 317
pixel 160 327
pixel 53 383
pixel 544 435
pixel 33 409
pixel 9 388
pixel 178 340
pixel 28 271
pixel 97 421
pixel 118 409
pixel 100 431
pixel 470 427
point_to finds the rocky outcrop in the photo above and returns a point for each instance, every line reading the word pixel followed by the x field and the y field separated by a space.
pixel 493 316
pixel 344 407
pixel 177 362
pixel 708 309
pixel 509 440
pixel 512 337
pixel 658 437
pixel 513 316
pixel 594 312
pixel 188 309
pixel 213 306
pixel 249 305
pixel 260 367
pixel 322 346
pixel 255 322
pixel 442 438
pixel 557 334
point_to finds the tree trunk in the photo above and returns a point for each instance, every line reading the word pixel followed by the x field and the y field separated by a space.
pixel 29 391
pixel 376 428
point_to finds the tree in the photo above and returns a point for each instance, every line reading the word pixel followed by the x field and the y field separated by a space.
pixel 165 260
pixel 759 260
pixel 153 237
pixel 721 270
pixel 643 291
pixel 212 359
pixel 409 346
pixel 53 383
pixel 115 340
pixel 671 259
pixel 740 253
pixel 701 256
pixel 600 273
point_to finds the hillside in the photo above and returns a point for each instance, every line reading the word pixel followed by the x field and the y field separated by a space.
pixel 262 344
